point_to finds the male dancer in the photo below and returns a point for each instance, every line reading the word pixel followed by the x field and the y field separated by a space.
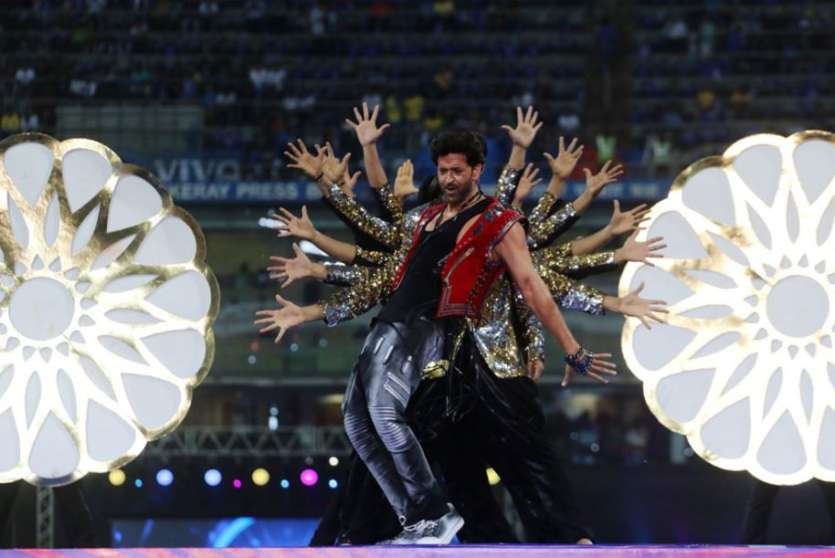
pixel 460 248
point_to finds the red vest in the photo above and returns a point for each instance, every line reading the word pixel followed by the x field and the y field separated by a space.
pixel 469 271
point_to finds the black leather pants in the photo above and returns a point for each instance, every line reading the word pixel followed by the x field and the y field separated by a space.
pixel 504 421
pixel 387 373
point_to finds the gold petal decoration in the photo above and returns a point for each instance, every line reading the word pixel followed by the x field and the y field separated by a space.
pixel 742 368
pixel 104 287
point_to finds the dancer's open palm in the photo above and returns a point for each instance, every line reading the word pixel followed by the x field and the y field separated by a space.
pixel 300 227
pixel 288 270
pixel 527 125
pixel 283 319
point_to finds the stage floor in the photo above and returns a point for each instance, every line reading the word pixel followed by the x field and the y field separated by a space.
pixel 467 551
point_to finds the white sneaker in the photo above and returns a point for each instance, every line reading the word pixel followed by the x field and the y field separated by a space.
pixel 431 531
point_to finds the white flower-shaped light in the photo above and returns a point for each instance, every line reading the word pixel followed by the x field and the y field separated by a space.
pixel 106 308
pixel 746 367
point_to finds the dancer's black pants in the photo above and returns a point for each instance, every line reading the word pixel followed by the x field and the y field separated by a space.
pixel 387 373
pixel 504 418
pixel 494 422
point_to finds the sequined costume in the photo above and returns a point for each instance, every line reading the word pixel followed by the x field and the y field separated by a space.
pixel 408 338
pixel 493 353
pixel 543 225
pixel 376 233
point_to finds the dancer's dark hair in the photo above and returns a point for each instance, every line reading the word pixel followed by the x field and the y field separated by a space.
pixel 468 143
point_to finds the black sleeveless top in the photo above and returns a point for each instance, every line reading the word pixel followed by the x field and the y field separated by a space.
pixel 420 290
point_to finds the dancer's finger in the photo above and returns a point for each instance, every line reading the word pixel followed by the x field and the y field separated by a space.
pixel 281 333
pixel 597 378
pixel 268 328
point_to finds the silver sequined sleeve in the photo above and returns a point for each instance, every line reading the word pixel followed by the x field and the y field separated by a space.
pixel 372 286
pixel 339 274
pixel 568 293
pixel 545 231
pixel 506 186
pixel 583 299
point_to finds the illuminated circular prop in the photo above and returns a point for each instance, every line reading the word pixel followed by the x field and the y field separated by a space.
pixel 106 308
pixel 745 368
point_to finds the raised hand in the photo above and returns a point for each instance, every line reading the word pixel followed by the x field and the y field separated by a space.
pixel 634 250
pixel 600 363
pixel 526 183
pixel 627 221
pixel 366 125
pixel 404 182
pixel 290 269
pixel 333 168
pixel 563 164
pixel 300 227
pixel 596 182
pixel 286 317
pixel 526 128
pixel 305 161
pixel 349 182
pixel 643 309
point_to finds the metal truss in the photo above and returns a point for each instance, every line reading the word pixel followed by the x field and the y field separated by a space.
pixel 44 517
pixel 207 441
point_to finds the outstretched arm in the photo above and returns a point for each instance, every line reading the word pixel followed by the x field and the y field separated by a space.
pixel 622 222
pixel 545 229
pixel 287 317
pixel 562 166
pixel 513 250
pixel 302 228
pixel 364 225
pixel 572 295
pixel 527 126
pixel 368 133
pixel 342 305
pixel 595 184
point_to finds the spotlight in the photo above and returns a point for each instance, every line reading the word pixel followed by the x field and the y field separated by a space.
pixel 212 477
pixel 493 477
pixel 333 461
pixel 285 484
pixel 165 477
pixel 138 483
pixel 116 477
pixel 309 477
pixel 260 477
pixel 237 483
pixel 333 484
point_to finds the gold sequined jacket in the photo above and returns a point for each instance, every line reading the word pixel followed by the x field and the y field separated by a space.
pixel 387 235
